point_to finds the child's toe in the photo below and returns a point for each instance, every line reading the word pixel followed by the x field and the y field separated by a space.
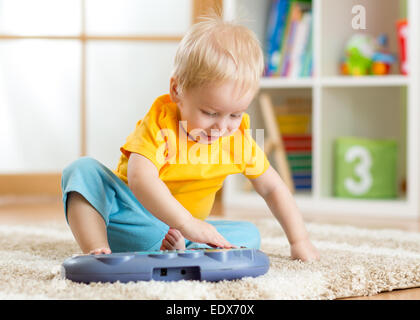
pixel 100 251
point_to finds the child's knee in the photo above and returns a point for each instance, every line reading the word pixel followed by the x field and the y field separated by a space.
pixel 83 164
pixel 79 171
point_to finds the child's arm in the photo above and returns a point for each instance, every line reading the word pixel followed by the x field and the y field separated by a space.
pixel 154 195
pixel 281 203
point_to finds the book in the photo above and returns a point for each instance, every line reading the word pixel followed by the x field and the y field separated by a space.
pixel 294 122
pixel 299 46
pixel 275 33
pixel 292 24
pixel 306 69
pixel 289 39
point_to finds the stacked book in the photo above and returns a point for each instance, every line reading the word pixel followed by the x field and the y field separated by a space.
pixel 289 39
pixel 294 121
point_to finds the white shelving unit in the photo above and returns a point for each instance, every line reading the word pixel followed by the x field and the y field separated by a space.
pixel 371 106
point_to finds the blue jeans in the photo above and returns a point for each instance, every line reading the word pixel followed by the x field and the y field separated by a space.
pixel 130 227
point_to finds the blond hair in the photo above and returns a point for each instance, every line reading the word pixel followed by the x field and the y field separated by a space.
pixel 214 51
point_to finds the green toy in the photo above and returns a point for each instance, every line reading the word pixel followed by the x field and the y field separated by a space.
pixel 365 168
pixel 365 55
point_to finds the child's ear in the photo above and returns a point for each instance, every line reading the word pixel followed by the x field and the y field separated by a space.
pixel 174 90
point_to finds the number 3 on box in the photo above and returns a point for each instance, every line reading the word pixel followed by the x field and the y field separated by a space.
pixel 362 170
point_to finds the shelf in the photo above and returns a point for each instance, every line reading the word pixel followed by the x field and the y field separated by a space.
pixel 373 107
pixel 367 207
pixel 336 28
pixel 279 82
pixel 368 112
pixel 335 81
pixel 253 200
pixel 372 81
pixel 398 207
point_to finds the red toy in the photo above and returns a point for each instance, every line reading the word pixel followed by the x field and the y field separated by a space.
pixel 402 27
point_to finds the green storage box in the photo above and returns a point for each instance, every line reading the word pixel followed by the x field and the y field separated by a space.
pixel 365 168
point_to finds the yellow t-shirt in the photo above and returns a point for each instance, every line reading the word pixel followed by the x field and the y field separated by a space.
pixel 193 172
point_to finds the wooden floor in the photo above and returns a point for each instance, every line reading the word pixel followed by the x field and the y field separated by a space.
pixel 31 210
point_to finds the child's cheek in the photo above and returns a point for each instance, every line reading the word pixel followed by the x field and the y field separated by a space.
pixel 235 125
pixel 231 131
pixel 199 124
pixel 206 123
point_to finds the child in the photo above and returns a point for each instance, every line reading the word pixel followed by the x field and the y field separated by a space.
pixel 177 157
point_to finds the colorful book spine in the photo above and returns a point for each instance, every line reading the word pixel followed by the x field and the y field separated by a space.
pixel 298 50
pixel 297 141
pixel 289 39
pixel 306 57
pixel 275 33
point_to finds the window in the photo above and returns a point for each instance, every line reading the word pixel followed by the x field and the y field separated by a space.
pixel 69 69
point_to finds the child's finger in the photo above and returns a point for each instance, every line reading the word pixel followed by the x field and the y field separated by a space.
pixel 170 239
pixel 231 246
pixel 221 244
pixel 175 233
pixel 228 246
pixel 224 243
pixel 165 244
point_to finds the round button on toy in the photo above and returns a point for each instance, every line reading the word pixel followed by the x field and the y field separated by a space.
pixel 217 254
pixel 190 254
pixel 113 260
pixel 166 255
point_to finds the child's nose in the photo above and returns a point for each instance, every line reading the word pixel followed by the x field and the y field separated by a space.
pixel 221 126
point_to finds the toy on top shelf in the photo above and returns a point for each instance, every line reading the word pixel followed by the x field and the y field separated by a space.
pixel 382 59
pixel 365 55
pixel 402 28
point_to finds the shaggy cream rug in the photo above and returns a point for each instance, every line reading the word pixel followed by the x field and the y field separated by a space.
pixel 354 262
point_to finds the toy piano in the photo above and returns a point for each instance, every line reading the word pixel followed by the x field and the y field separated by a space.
pixel 173 265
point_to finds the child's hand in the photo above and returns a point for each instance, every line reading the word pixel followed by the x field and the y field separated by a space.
pixel 200 231
pixel 304 250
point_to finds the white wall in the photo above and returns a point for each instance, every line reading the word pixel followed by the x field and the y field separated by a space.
pixel 123 81
pixel 40 79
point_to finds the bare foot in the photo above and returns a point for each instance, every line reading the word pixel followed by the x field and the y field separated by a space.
pixel 100 251
pixel 173 240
